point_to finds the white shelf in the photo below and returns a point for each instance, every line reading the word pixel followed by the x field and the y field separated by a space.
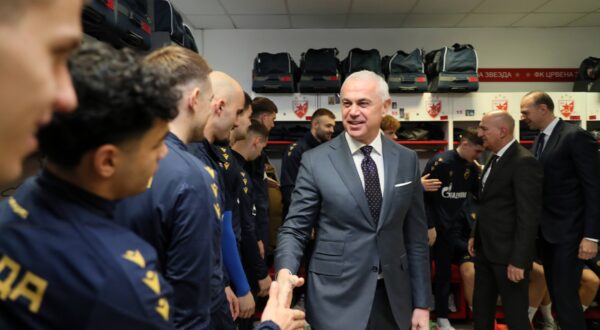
pixel 448 108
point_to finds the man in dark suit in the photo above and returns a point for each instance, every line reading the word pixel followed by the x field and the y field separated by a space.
pixel 322 124
pixel 571 203
pixel 362 192
pixel 504 235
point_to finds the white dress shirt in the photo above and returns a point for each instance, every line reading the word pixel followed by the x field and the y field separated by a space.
pixel 376 154
pixel 499 154
pixel 548 131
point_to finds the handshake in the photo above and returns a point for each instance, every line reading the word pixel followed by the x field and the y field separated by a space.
pixel 278 308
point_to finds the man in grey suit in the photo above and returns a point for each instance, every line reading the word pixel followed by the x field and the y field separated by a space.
pixel 362 192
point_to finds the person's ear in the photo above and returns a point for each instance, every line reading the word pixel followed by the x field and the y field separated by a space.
pixel 255 141
pixel 192 100
pixel 105 160
pixel 314 123
pixel 218 107
pixel 386 106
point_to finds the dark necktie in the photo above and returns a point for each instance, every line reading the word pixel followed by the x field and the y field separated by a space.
pixel 539 147
pixel 372 187
pixel 489 169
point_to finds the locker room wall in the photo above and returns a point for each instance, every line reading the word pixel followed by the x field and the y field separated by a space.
pixel 233 51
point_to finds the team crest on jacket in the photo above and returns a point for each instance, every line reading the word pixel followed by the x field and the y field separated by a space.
pixel 467 174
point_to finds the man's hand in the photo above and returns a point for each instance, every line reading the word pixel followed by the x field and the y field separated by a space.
pixel 286 284
pixel 264 285
pixel 420 319
pixel 261 249
pixel 471 246
pixel 234 304
pixel 587 249
pixel 431 235
pixel 285 318
pixel 515 274
pixel 430 184
pixel 247 306
pixel 272 183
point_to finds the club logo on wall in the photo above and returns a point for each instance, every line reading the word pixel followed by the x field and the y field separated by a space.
pixel 566 105
pixel 500 103
pixel 300 106
pixel 434 107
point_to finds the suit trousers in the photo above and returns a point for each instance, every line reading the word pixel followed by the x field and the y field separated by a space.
pixel 491 280
pixel 563 269
pixel 381 317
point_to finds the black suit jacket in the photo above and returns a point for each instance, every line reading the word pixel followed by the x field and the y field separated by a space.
pixel 510 209
pixel 571 208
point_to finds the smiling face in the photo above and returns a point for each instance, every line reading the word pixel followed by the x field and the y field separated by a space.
pixel 35 80
pixel 324 127
pixel 362 108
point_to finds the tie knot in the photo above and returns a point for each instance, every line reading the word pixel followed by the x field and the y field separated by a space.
pixel 366 150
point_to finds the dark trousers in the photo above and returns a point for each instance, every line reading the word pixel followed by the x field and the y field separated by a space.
pixel 443 253
pixel 491 280
pixel 381 317
pixel 563 269
pixel 220 316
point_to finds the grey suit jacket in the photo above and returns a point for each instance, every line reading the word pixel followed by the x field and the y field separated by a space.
pixel 349 247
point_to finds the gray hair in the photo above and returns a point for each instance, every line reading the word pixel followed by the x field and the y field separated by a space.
pixel 382 86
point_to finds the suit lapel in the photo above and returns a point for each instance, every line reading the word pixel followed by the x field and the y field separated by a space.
pixel 497 168
pixel 553 141
pixel 344 165
pixel 390 164
pixel 485 168
pixel 535 144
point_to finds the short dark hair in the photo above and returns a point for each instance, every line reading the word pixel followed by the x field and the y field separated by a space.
pixel 322 112
pixel 540 97
pixel 258 129
pixel 118 100
pixel 262 105
pixel 247 100
pixel 181 64
pixel 470 134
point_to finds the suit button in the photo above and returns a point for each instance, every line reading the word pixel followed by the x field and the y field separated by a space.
pixel 375 269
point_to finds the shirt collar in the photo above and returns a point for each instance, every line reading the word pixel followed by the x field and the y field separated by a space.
pixel 83 198
pixel 548 130
pixel 355 145
pixel 172 138
pixel 503 150
pixel 311 140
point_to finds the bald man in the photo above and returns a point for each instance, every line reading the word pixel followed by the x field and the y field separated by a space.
pixel 569 227
pixel 503 238
pixel 226 113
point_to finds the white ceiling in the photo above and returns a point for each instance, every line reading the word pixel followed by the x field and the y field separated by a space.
pixel 325 14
